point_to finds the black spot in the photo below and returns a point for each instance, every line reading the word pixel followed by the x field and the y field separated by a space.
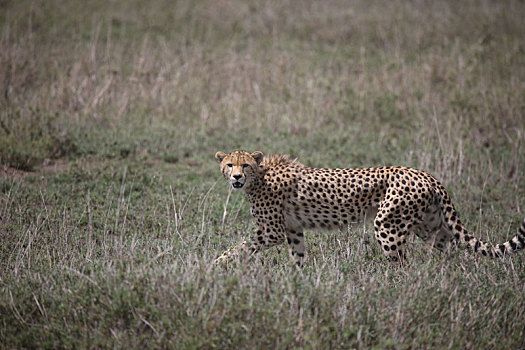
pixel 521 239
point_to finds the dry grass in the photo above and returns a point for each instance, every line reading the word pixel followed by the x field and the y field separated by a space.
pixel 112 246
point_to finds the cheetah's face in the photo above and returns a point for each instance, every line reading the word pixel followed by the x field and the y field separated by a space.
pixel 239 167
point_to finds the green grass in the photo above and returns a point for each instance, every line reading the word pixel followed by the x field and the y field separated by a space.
pixel 112 207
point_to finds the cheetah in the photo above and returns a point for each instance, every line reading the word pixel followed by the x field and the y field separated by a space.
pixel 287 197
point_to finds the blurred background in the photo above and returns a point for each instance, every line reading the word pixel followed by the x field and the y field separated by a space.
pixel 372 82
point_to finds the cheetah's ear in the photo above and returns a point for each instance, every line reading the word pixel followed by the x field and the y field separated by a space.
pixel 219 156
pixel 258 156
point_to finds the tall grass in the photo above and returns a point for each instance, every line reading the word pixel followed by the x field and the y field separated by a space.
pixel 112 208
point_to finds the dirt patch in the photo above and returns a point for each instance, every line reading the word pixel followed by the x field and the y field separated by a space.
pixel 54 165
pixel 47 166
pixel 8 172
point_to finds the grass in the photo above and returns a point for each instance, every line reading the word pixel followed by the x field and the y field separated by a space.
pixel 112 206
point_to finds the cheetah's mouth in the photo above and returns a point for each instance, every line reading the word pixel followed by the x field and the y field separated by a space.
pixel 237 185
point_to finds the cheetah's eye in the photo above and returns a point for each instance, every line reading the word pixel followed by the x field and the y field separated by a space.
pixel 229 165
pixel 244 166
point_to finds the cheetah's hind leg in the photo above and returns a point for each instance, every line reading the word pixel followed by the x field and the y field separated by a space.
pixel 432 228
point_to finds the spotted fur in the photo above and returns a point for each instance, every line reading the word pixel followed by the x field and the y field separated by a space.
pixel 287 197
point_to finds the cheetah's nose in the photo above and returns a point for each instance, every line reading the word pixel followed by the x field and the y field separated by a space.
pixel 237 177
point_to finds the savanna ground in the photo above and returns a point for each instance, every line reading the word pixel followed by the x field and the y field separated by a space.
pixel 112 206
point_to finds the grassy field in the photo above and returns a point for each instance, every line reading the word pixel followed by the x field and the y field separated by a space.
pixel 112 207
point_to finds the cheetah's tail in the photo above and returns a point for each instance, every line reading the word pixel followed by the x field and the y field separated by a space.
pixel 516 243
pixel 499 250
pixel 461 235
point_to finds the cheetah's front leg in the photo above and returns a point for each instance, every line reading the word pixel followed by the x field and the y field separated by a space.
pixel 242 249
pixel 296 247
pixel 266 237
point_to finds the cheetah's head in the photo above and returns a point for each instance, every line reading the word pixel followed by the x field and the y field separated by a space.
pixel 239 167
